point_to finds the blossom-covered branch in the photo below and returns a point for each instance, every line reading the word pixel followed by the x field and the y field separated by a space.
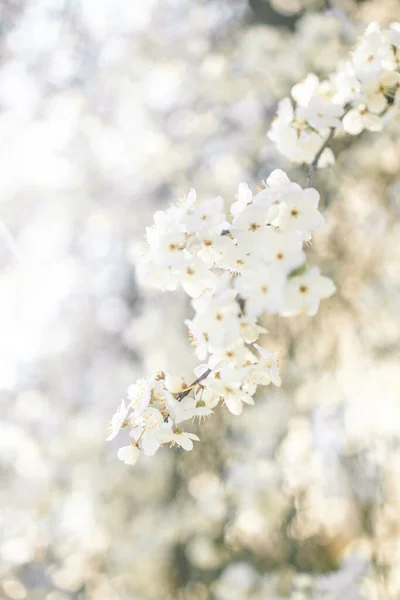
pixel 224 263
pixel 363 93
pixel 252 257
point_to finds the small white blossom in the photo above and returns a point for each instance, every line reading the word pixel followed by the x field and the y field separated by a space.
pixel 261 289
pixel 347 86
pixel 370 53
pixel 206 215
pixel 148 430
pixel 298 210
pixel 358 119
pixel 269 363
pixel 304 293
pixel 377 90
pixel 194 275
pixel 228 386
pixel 283 250
pixel 139 395
pixel 181 438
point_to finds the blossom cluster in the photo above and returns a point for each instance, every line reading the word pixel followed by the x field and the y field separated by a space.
pixel 235 268
pixel 363 94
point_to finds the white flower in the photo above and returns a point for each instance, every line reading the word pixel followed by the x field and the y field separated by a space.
pixel 377 90
pixel 117 420
pixel 249 329
pixel 180 411
pixel 216 323
pixel 181 438
pixel 215 328
pixel 298 210
pixel 234 355
pixel 154 274
pixel 283 250
pixel 147 432
pixel 304 292
pixel 206 215
pixel 299 146
pixel 316 106
pixel 239 258
pixel 347 86
pixel 210 247
pixel 358 119
pixel 222 295
pixel 165 247
pixel 129 454
pixel 139 395
pixel 321 114
pixel 206 400
pixel 252 219
pixel 228 387
pixel 266 369
pixel 261 289
pixel 292 136
pixel 194 275
pixel 369 54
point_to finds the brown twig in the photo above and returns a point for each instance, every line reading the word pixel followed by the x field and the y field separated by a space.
pixel 314 164
pixel 182 395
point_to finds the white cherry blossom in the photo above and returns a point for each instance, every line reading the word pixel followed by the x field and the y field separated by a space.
pixel 262 289
pixel 298 210
pixel 205 215
pixel 321 114
pixel 376 91
pixel 370 53
pixel 139 395
pixel 304 293
pixel 181 438
pixel 283 250
pixel 148 430
pixel 269 363
pixel 228 386
pixel 358 119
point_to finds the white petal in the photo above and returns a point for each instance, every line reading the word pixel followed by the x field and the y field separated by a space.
pixel 373 123
pixel 376 103
pixel 149 445
pixel 327 159
pixel 352 122
pixel 326 287
pixel 184 442
pixel 233 404
pixel 129 454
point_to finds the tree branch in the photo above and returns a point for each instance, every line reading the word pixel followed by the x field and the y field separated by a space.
pixel 182 395
pixel 314 164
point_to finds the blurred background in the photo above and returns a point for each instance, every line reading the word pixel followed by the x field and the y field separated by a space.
pixel 109 110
